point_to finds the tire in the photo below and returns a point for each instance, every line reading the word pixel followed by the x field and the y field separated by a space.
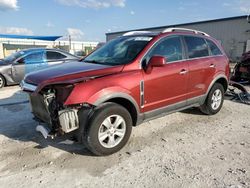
pixel 108 130
pixel 2 81
pixel 214 100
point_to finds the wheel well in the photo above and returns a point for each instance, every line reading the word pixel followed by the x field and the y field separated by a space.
pixel 128 105
pixel 223 82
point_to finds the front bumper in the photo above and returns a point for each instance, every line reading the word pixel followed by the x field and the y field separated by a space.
pixel 59 120
pixel 40 109
pixel 28 87
pixel 47 108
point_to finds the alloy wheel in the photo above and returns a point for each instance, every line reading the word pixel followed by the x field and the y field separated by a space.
pixel 216 99
pixel 112 131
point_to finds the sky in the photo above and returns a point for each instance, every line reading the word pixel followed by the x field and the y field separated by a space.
pixel 89 20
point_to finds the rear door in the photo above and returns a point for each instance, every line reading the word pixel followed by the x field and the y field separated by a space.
pixel 166 85
pixel 201 66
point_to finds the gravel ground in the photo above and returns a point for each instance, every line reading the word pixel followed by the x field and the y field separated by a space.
pixel 184 149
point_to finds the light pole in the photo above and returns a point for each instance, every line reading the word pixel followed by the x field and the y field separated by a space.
pixel 69 43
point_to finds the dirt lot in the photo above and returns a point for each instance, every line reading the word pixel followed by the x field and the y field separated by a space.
pixel 185 149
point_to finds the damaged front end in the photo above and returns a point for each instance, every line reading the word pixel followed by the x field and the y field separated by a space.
pixel 48 107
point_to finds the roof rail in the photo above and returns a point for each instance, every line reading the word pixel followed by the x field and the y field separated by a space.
pixel 184 29
pixel 135 33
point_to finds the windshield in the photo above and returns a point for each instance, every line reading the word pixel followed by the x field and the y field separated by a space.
pixel 119 51
pixel 13 56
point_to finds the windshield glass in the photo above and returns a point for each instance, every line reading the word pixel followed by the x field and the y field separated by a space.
pixel 14 56
pixel 119 51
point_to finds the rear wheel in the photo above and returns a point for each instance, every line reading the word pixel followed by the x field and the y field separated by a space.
pixel 2 81
pixel 214 100
pixel 109 129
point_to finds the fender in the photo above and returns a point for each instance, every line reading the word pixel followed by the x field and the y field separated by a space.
pixel 122 95
pixel 216 78
pixel 96 97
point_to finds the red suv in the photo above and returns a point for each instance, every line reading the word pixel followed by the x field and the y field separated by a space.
pixel 131 79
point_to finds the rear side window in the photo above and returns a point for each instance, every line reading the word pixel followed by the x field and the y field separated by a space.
pixel 55 55
pixel 196 46
pixel 171 48
pixel 213 48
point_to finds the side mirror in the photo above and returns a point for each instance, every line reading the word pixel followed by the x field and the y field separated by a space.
pixel 157 61
pixel 20 61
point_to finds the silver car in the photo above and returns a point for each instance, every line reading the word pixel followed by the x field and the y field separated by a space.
pixel 14 67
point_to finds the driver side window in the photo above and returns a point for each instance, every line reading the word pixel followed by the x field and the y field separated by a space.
pixel 170 48
pixel 33 58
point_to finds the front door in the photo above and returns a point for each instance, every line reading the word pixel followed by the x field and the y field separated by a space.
pixel 31 62
pixel 18 71
pixel 166 86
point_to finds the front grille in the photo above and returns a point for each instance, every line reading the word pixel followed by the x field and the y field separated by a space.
pixel 39 108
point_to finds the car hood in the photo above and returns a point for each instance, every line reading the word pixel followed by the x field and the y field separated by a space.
pixel 70 72
pixel 3 63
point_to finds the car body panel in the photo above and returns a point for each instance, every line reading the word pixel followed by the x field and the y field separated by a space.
pixel 5 70
pixel 166 85
pixel 104 86
pixel 72 71
pixel 201 72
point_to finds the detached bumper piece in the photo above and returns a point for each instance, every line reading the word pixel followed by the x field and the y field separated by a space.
pixel 43 130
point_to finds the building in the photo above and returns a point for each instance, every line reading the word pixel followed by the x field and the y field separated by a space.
pixel 233 33
pixel 13 43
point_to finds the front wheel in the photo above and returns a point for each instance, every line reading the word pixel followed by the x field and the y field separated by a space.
pixel 109 129
pixel 2 81
pixel 214 100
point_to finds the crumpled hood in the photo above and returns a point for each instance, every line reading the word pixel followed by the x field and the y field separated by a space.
pixel 70 72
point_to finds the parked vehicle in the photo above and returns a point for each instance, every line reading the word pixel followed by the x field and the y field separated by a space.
pixel 14 67
pixel 129 80
pixel 241 71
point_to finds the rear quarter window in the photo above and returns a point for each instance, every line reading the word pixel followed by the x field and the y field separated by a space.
pixel 213 48
pixel 196 46
pixel 54 55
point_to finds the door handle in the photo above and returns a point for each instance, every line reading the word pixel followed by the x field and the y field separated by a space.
pixel 183 71
pixel 212 66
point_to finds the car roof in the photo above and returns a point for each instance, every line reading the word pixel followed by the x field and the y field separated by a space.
pixel 41 49
pixel 47 49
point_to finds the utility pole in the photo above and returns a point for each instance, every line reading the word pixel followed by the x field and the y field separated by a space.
pixel 69 43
